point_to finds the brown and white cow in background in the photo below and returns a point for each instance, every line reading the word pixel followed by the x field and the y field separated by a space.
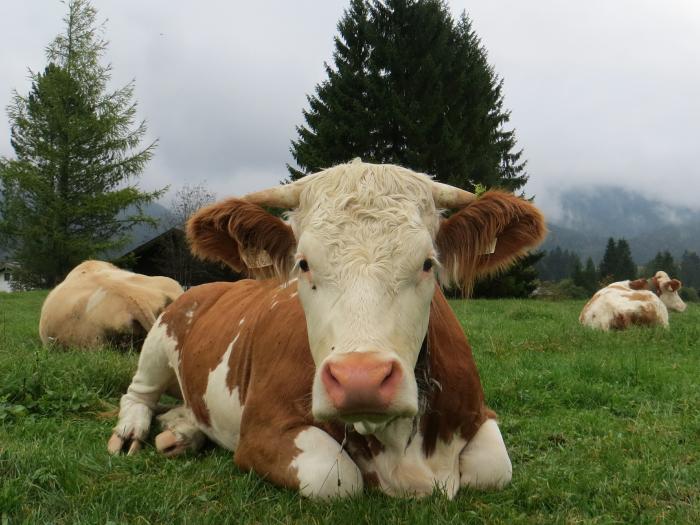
pixel 98 303
pixel 644 302
pixel 355 371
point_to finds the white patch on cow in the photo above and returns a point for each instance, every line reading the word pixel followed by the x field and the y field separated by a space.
pixel 240 323
pixel 292 296
pixel 95 299
pixel 223 404
pixel 405 471
pixel 157 365
pixel 274 303
pixel 484 463
pixel 189 314
pixel 324 470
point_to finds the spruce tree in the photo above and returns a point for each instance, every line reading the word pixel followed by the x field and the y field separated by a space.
pixel 662 261
pixel 71 193
pixel 411 86
pixel 690 269
pixel 617 263
pixel 608 263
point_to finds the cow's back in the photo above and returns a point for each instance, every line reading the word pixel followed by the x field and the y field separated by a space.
pixel 98 302
pixel 617 306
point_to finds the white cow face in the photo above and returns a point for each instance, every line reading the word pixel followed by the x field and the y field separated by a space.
pixel 668 291
pixel 366 241
pixel 366 265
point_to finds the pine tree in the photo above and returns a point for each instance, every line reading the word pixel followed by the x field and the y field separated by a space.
pixel 617 263
pixel 608 264
pixel 662 261
pixel 411 86
pixel 626 269
pixel 690 269
pixel 70 193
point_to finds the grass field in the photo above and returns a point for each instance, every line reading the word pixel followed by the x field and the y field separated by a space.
pixel 601 428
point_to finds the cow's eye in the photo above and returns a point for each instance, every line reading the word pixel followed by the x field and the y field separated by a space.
pixel 427 265
pixel 303 265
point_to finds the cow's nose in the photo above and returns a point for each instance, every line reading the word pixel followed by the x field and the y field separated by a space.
pixel 361 383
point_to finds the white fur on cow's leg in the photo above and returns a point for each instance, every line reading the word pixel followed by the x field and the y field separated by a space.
pixel 484 462
pixel 153 376
pixel 180 432
pixel 323 468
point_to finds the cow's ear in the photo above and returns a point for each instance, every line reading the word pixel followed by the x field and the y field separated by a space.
pixel 674 285
pixel 465 240
pixel 639 284
pixel 244 236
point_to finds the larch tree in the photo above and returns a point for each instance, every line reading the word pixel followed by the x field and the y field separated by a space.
pixel 71 193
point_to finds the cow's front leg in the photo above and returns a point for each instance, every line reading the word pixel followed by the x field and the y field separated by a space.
pixel 484 462
pixel 305 458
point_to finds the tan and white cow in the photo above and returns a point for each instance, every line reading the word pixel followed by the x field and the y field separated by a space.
pixel 643 302
pixel 98 303
pixel 353 372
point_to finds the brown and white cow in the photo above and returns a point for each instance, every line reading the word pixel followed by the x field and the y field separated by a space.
pixel 353 372
pixel 643 302
pixel 98 303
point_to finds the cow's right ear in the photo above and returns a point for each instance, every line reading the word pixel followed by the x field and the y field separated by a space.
pixel 673 285
pixel 244 236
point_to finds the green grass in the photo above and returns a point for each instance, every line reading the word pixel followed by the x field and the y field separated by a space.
pixel 601 428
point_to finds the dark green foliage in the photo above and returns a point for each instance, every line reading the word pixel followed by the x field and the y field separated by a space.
pixel 410 86
pixel 689 294
pixel 561 290
pixel 617 263
pixel 585 278
pixel 690 269
pixel 519 281
pixel 662 261
pixel 557 264
pixel 77 155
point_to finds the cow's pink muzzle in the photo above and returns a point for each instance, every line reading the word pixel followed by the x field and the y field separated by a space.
pixel 361 383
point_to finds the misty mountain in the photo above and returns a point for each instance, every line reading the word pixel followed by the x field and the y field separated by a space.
pixel 589 217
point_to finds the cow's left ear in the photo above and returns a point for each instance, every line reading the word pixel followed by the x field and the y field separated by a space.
pixel 244 236
pixel 466 239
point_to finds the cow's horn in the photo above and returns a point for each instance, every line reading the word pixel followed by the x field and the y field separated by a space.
pixel 446 196
pixel 285 196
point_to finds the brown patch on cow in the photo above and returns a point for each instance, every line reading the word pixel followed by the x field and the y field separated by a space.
pixel 240 233
pixel 656 285
pixel 619 322
pixel 457 406
pixel 645 316
pixel 467 235
pixel 639 284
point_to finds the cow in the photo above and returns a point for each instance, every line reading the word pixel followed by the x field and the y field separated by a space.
pixel 642 302
pixel 98 303
pixel 349 369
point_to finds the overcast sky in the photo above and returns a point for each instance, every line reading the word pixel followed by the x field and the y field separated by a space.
pixel 601 91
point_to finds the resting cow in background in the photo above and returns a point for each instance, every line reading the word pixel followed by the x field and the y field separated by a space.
pixel 354 370
pixel 98 303
pixel 644 302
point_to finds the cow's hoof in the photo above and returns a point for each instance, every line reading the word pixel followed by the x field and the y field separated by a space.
pixel 116 445
pixel 169 444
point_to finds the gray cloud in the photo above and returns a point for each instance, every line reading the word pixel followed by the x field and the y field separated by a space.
pixel 600 91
